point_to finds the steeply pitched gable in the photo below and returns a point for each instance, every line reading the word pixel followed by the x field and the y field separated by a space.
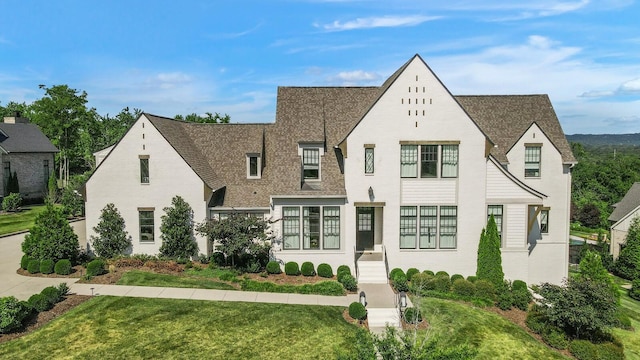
pixel 24 138
pixel 629 202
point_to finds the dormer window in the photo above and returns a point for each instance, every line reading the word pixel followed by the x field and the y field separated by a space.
pixel 311 164
pixel 254 166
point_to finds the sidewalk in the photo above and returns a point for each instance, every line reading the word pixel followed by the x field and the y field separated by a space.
pixel 216 295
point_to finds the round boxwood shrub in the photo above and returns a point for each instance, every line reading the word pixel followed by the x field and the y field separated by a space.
pixel 521 295
pixel 349 282
pixel 441 284
pixel 46 266
pixel 472 278
pixel 39 302
pixel 307 269
pixel 395 272
pixel 63 267
pixel 412 315
pixel 325 271
pixel 419 281
pixel 273 267
pixel 400 283
pixel 33 267
pixel 463 287
pixel 442 273
pixel 51 294
pixel 95 267
pixel 455 277
pixel 411 272
pixel 342 270
pixel 24 262
pixel 519 285
pixel 357 311
pixel 485 289
pixel 429 272
pixel 12 313
pixel 291 268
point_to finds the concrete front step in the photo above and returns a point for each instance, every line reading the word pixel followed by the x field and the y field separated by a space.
pixel 372 272
pixel 379 318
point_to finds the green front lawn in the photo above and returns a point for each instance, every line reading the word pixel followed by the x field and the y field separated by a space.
pixel 630 339
pixel 145 278
pixel 137 328
pixel 493 336
pixel 22 220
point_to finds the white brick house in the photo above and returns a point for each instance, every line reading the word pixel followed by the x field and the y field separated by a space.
pixel 405 170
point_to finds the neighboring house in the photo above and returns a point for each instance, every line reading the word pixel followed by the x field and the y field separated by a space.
pixel 25 150
pixel 623 213
pixel 406 171
pixel 101 154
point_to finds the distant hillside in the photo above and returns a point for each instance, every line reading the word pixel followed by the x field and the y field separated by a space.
pixel 605 139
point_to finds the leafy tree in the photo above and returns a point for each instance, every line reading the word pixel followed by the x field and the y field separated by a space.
pixel 489 255
pixel 12 202
pixel 52 187
pixel 72 202
pixel 176 230
pixel 236 235
pixel 13 108
pixel 112 239
pixel 582 307
pixel 628 263
pixel 51 237
pixel 208 119
pixel 592 268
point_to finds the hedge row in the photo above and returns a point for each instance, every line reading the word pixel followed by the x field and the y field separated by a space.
pixel 61 267
pixel 14 313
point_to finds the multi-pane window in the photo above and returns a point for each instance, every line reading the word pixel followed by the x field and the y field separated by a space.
pixel 532 161
pixel 449 161
pixel 544 221
pixel 368 160
pixel 253 166
pixel 313 223
pixel 408 222
pixel 496 211
pixel 311 227
pixel 146 225
pixel 409 161
pixel 291 227
pixel 144 170
pixel 331 227
pixel 311 164
pixel 428 161
pixel 432 158
pixel 448 226
pixel 428 226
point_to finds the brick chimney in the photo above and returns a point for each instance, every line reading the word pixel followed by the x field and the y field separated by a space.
pixel 16 119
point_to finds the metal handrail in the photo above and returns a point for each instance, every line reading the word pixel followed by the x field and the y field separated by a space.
pixel 355 261
pixel 386 264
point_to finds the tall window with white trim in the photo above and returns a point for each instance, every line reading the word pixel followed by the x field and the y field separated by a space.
pixel 448 226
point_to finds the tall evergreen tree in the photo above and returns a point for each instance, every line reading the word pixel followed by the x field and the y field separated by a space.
pixel 51 237
pixel 112 239
pixel 489 255
pixel 178 240
pixel 628 263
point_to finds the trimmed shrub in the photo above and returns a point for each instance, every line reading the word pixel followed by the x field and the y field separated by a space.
pixel 46 266
pixel 521 295
pixel 342 270
pixel 442 273
pixel 634 292
pixel 12 314
pixel 489 263
pixel 357 311
pixel 429 272
pixel 455 277
pixel 537 320
pixel 325 271
pixel 400 283
pixel 11 202
pixel 39 302
pixel 412 315
pixel 273 267
pixel 519 285
pixel 51 237
pixel 307 269
pixel 419 281
pixel 291 268
pixel 441 284
pixel 555 338
pixel 463 287
pixel 485 289
pixel 24 262
pixel 505 296
pixel 395 272
pixel 472 278
pixel 33 267
pixel 349 282
pixel 95 268
pixel 583 350
pixel 52 295
pixel 411 272
pixel 63 267
pixel 63 290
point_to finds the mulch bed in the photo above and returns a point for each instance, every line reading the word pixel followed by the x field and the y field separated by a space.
pixel 44 317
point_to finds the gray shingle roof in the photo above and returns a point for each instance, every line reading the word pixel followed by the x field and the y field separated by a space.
pixel 24 138
pixel 630 201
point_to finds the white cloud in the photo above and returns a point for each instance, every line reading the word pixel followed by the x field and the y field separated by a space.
pixel 632 86
pixel 376 22
pixel 356 77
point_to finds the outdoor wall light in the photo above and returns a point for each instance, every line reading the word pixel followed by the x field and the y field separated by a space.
pixel 363 298
pixel 402 300
pixel 370 192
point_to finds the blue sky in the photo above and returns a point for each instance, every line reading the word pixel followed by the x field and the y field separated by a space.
pixel 179 57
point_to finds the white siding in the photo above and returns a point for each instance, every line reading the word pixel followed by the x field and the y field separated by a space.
pixel 500 187
pixel 516 225
pixel 431 191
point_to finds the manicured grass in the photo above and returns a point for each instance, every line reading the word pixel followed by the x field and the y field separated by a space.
pixel 493 336
pixel 630 339
pixel 138 328
pixel 144 278
pixel 23 220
